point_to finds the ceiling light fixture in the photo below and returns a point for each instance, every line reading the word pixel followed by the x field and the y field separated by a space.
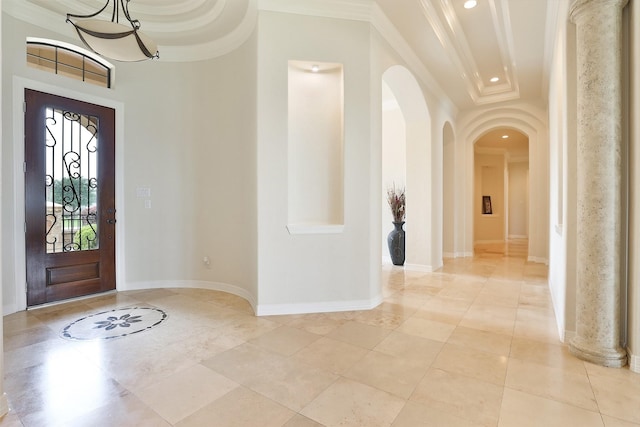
pixel 505 136
pixel 470 4
pixel 315 68
pixel 494 79
pixel 112 39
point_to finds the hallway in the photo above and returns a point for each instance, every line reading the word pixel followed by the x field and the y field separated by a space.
pixel 474 344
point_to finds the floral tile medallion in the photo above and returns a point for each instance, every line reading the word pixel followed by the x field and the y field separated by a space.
pixel 115 323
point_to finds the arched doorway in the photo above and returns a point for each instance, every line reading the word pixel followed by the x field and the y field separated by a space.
pixel 501 186
pixel 407 154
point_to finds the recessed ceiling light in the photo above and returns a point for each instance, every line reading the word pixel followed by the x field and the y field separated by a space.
pixel 470 4
pixel 505 136
pixel 494 79
pixel 315 68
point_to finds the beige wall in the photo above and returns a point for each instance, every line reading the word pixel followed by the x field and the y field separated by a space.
pixel 187 131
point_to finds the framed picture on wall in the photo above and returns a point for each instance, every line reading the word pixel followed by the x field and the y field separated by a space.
pixel 486 205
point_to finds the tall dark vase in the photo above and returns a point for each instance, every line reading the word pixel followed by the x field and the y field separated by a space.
pixel 395 240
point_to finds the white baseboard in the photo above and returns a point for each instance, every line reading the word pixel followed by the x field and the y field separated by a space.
pixel 198 284
pixel 317 307
pixel 634 361
pixel 518 236
pixel 487 241
pixel 258 309
pixel 448 254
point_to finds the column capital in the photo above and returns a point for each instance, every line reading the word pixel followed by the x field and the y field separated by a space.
pixel 578 7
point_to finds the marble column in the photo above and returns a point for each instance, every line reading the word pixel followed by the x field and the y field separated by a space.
pixel 599 134
pixel 4 404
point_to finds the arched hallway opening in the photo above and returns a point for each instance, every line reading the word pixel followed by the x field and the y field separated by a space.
pixel 407 162
pixel 501 186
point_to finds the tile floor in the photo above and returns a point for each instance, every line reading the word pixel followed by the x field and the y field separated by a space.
pixel 474 344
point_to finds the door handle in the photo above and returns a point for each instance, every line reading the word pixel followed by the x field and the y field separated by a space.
pixel 111 221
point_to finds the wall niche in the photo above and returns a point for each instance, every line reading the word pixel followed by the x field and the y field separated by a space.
pixel 315 147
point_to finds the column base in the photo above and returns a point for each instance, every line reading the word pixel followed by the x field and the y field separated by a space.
pixel 608 357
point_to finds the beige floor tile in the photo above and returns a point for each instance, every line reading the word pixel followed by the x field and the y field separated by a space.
pixel 290 383
pixel 244 362
pixel 349 403
pixel 333 367
pixel 491 318
pixel 249 327
pixel 617 391
pixel 413 302
pixel 462 291
pixel 301 421
pixel 430 329
pixel 124 411
pixel 25 338
pixel 441 309
pixel 410 347
pixel 240 408
pixel 551 383
pixel 462 396
pixel 330 355
pixel 526 410
pixel 396 375
pixel 205 344
pixel 60 389
pixel 285 340
pixel 184 392
pixel 382 318
pixel 476 339
pixel 19 322
pixel 365 336
pixel 535 296
pixel 111 301
pixel 32 355
pixel 536 324
pixel 136 374
pixel 316 323
pixel 610 422
pixel 473 363
pixel 549 354
pixel 418 415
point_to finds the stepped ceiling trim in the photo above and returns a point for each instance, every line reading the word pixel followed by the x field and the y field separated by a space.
pixel 452 51
pixel 454 40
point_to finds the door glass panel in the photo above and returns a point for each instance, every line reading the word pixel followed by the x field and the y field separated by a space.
pixel 71 180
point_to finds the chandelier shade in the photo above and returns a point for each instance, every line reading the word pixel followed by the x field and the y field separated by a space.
pixel 112 39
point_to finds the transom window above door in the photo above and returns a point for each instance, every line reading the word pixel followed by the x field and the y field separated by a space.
pixel 68 60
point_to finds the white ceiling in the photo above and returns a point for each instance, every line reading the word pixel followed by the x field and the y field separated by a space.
pixel 458 49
